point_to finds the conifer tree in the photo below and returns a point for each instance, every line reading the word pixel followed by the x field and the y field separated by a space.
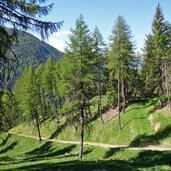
pixel 99 60
pixel 80 55
pixel 120 62
pixel 23 15
pixel 39 75
pixel 149 67
pixel 26 15
pixel 50 84
pixel 159 31
pixel 167 66
pixel 26 91
pixel 155 56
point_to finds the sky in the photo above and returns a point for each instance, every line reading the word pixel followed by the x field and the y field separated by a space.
pixel 103 14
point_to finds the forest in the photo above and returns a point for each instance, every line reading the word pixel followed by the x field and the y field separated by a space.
pixel 89 79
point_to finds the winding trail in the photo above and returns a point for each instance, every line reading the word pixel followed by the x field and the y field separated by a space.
pixel 152 148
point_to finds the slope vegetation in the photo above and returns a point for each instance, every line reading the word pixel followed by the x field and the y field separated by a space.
pixel 142 125
pixel 21 153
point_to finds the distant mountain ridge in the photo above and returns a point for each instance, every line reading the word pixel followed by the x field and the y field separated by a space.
pixel 30 50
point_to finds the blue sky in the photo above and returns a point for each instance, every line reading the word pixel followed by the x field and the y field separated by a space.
pixel 103 13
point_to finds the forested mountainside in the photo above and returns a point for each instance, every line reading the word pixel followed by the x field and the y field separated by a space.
pixel 104 104
pixel 32 51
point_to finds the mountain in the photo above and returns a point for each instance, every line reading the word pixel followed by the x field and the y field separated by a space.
pixel 30 50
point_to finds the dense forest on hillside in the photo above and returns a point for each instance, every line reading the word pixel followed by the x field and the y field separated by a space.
pixel 30 50
pixel 90 71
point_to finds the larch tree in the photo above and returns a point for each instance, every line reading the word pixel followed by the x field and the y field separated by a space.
pixel 49 83
pixel 99 61
pixel 167 66
pixel 120 62
pixel 39 75
pixel 79 52
pixel 27 92
pixel 149 68
pixel 24 15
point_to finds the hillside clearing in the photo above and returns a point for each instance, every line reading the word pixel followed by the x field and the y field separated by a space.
pixel 23 153
pixel 136 128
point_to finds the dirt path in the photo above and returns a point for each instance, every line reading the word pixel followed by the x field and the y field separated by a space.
pixel 152 148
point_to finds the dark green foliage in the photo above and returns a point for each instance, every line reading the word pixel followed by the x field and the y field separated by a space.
pixel 155 51
pixel 81 74
pixel 120 65
pixel 25 15
pixel 22 15
pixel 99 65
pixel 31 51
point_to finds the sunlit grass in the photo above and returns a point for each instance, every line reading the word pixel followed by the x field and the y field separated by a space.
pixel 30 154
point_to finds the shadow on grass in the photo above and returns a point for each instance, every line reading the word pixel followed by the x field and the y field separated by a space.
pixel 138 118
pixel 147 160
pixel 5 140
pixel 58 131
pixel 9 147
pixel 145 140
pixel 151 158
pixel 145 103
pixel 40 150
pixel 111 152
pixel 76 165
pixel 5 161
pixel 46 151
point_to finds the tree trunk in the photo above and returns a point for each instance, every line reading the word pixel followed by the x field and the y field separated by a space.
pixel 6 116
pixel 37 124
pixel 54 101
pixel 43 106
pixel 119 119
pixel 82 133
pixel 160 84
pixel 99 100
pixel 167 87
pixel 123 94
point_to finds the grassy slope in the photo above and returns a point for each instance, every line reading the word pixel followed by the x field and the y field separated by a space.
pixel 136 128
pixel 20 153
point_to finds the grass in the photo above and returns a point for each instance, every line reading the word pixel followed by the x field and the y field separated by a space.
pixel 136 128
pixel 29 154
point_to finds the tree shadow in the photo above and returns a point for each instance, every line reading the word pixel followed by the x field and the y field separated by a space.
pixel 87 151
pixel 47 151
pixel 145 140
pixel 139 118
pixel 151 158
pixel 111 152
pixel 62 153
pixel 145 104
pixel 40 150
pixel 58 131
pixel 4 141
pixel 76 165
pixel 6 160
pixel 8 148
pixel 145 160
